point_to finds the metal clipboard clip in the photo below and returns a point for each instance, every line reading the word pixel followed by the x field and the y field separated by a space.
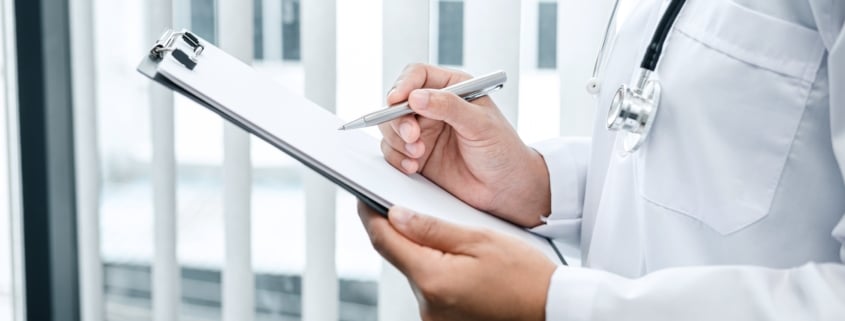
pixel 168 43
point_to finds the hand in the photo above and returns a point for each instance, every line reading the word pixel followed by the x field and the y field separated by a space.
pixel 469 149
pixel 459 273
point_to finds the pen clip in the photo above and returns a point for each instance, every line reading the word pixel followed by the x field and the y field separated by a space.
pixel 481 93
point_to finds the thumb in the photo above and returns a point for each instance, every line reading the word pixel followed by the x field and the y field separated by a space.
pixel 431 232
pixel 466 118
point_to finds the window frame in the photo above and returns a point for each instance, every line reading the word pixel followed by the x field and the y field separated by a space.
pixel 11 163
pixel 47 172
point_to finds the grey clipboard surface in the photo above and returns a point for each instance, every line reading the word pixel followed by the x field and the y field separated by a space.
pixel 308 133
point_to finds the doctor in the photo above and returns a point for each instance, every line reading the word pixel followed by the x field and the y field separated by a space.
pixel 732 207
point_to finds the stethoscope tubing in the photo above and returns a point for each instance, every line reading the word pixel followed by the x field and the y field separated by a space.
pixel 605 40
pixel 655 48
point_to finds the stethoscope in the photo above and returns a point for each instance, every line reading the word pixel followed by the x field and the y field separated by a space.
pixel 633 109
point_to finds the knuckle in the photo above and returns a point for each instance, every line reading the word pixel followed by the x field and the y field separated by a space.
pixel 385 147
pixel 391 149
pixel 414 66
pixel 390 154
pixel 462 75
pixel 410 69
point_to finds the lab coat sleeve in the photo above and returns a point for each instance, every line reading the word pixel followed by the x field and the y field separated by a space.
pixel 567 159
pixel 810 292
pixel 814 291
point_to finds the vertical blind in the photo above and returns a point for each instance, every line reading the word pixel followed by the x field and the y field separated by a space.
pixel 492 36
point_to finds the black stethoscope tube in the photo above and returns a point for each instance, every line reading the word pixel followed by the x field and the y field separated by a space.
pixel 655 48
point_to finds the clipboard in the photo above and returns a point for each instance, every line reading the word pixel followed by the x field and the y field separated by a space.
pixel 352 160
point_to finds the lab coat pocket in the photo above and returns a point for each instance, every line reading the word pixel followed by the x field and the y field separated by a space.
pixel 735 85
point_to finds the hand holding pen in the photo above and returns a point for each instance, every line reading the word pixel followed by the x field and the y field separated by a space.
pixel 467 148
pixel 469 90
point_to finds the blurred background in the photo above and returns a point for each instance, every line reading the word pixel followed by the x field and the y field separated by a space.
pixel 546 56
pixel 278 199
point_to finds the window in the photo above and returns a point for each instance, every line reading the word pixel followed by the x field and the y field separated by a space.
pixel 277 192
pixel 290 30
pixel 278 221
pixel 203 15
pixel 547 35
pixel 277 25
pixel 450 37
pixel 258 27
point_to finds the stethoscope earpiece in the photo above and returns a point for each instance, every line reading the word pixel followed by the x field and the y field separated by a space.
pixel 593 86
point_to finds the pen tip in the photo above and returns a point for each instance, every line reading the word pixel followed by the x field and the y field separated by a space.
pixel 342 127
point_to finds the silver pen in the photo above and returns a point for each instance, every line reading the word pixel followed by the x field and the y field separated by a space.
pixel 469 90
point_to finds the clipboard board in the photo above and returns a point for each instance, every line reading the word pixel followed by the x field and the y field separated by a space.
pixel 352 160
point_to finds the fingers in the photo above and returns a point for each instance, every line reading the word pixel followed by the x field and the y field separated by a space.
pixel 434 233
pixel 468 119
pixel 398 159
pixel 401 149
pixel 405 255
pixel 412 150
pixel 406 129
pixel 417 76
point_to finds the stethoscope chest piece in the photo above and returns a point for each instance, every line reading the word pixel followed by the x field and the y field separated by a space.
pixel 633 110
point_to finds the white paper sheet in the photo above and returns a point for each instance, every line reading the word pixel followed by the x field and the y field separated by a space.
pixel 296 125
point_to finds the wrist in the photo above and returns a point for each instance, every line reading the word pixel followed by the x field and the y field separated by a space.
pixel 541 292
pixel 544 186
pixel 539 188
pixel 525 197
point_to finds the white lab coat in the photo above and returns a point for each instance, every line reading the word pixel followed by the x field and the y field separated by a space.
pixel 734 209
